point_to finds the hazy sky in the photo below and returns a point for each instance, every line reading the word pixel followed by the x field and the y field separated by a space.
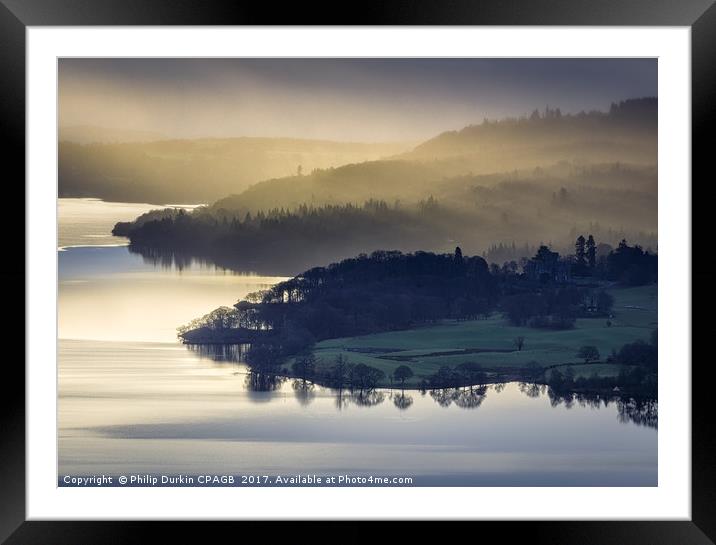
pixel 336 99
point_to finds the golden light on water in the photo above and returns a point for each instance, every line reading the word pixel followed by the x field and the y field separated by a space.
pixel 110 294
pixel 146 306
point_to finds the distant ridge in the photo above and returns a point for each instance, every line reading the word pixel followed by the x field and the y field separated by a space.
pixel 494 150
pixel 539 132
pixel 91 134
pixel 196 170
pixel 247 174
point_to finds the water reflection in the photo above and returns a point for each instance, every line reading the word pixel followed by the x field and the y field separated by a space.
pixel 163 408
pixel 305 391
pixel 108 294
pixel 221 353
pixel 531 389
pixel 85 222
pixel 402 401
pixel 173 260
pixel 342 398
pixel 262 382
pixel 643 412
pixel 367 398
pixel 130 398
pixel 167 258
pixel 465 398
pixel 639 411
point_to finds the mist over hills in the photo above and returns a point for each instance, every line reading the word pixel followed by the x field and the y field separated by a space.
pixel 91 134
pixel 626 132
pixel 538 179
pixel 254 173
pixel 197 171
pixel 546 205
pixel 533 179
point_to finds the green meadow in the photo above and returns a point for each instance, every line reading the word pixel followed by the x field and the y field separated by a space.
pixel 491 342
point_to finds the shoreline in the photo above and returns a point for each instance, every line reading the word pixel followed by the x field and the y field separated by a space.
pixel 497 377
pixel 505 379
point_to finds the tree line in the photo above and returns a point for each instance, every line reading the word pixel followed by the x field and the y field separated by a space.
pixel 390 290
pixel 298 237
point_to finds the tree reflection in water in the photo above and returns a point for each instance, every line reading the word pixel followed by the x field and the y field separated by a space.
pixel 367 398
pixel 470 398
pixel 263 382
pixel 442 396
pixel 304 391
pixel 640 411
pixel 221 353
pixel 402 401
pixel 342 397
pixel 643 412
pixel 465 398
pixel 168 259
pixel 531 389
pixel 363 398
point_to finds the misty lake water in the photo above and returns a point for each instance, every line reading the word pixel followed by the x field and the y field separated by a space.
pixel 133 400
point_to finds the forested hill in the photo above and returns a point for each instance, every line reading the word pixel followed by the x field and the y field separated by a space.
pixel 626 133
pixel 196 171
pixel 389 180
pixel 290 241
pixel 330 213
pixel 391 291
pixel 249 174
pixel 386 290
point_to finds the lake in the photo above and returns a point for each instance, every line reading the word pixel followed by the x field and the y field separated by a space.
pixel 133 400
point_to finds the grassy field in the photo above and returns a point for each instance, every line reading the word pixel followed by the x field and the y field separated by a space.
pixel 490 342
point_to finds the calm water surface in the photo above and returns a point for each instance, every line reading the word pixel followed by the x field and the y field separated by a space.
pixel 134 400
pixel 89 222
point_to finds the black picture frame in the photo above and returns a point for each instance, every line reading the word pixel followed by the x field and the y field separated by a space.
pixel 16 15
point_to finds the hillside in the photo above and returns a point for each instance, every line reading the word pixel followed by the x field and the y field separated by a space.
pixel 518 210
pixel 627 133
pixel 388 180
pixel 490 342
pixel 408 204
pixel 251 174
pixel 506 149
pixel 452 320
pixel 197 171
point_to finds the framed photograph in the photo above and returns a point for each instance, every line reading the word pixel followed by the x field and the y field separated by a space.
pixel 431 263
